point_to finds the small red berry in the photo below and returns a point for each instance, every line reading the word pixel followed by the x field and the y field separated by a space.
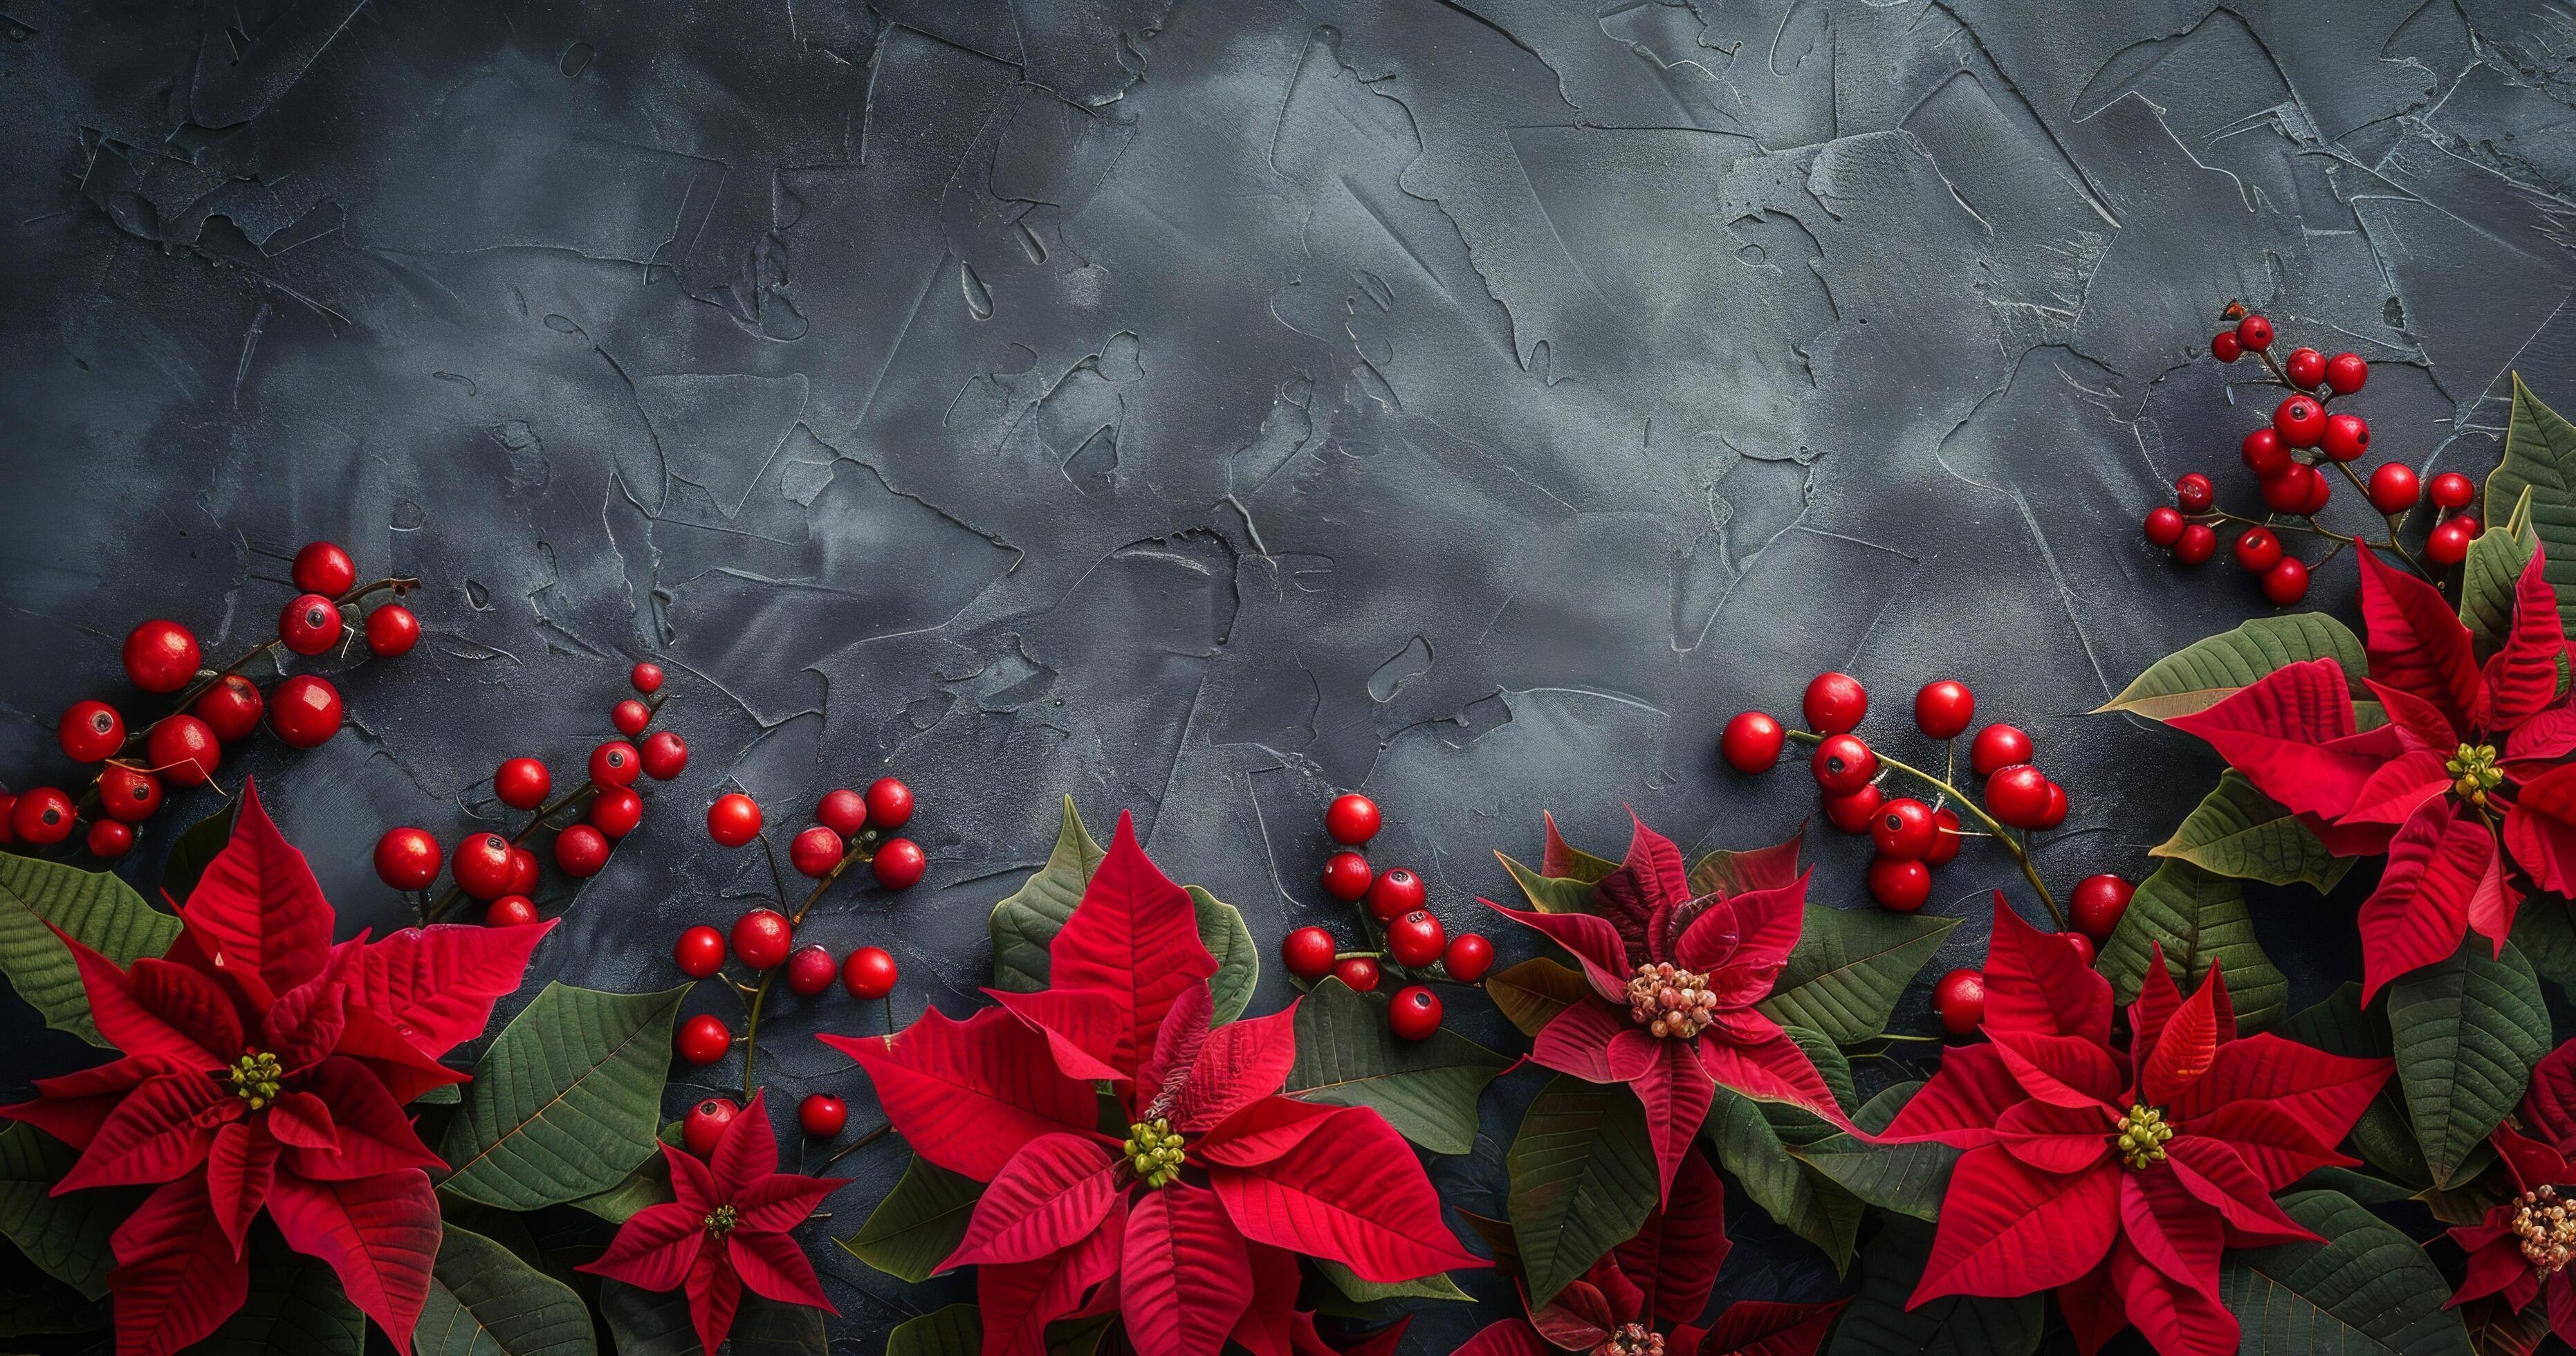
pixel 128 793
pixel 2097 904
pixel 2224 346
pixel 705 1124
pixel 889 804
pixel 647 677
pixel 1900 883
pixel 231 708
pixel 816 851
pixel 2449 544
pixel 700 952
pixel 90 731
pixel 510 911
pixel 1352 818
pixel 761 938
pixel 2194 492
pixel 1415 1013
pixel 1843 763
pixel 324 568
pixel 1357 972
pixel 2257 550
pixel 183 750
pixel 615 763
pixel 2451 490
pixel 1416 939
pixel 822 1115
pixel 1998 746
pixel 2394 489
pixel 1903 828
pixel 703 1040
pixel 615 811
pixel 522 783
pixel 2199 542
pixel 2288 491
pixel 1347 876
pixel 1751 742
pixel 2304 367
pixel 844 812
pixel 2053 813
pixel 305 711
pixel 1395 893
pixel 1944 709
pixel 2018 795
pixel 2300 420
pixel 1835 703
pixel 2320 489
pixel 899 864
pixel 2255 333
pixel 1852 812
pixel 733 820
pixel 1308 953
pixel 1468 958
pixel 2083 946
pixel 663 755
pixel 1945 838
pixel 2264 453
pixel 42 817
pixel 811 970
pixel 869 972
pixel 392 630
pixel 407 859
pixel 523 871
pixel 1959 1000
pixel 110 839
pixel 309 624
pixel 630 717
pixel 2345 372
pixel 2347 436
pixel 160 656
pixel 2286 583
pixel 2164 525
pixel 482 867
pixel 581 851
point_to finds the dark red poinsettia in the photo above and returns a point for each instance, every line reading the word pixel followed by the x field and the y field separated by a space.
pixel 1187 1226
pixel 726 1228
pixel 2521 1250
pixel 2431 787
pixel 2118 1176
pixel 1674 979
pixel 265 1067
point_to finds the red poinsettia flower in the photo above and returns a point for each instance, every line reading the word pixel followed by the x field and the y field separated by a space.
pixel 265 1067
pixel 727 1228
pixel 1674 979
pixel 1188 1225
pixel 2117 1177
pixel 1644 1297
pixel 2431 788
pixel 2522 1249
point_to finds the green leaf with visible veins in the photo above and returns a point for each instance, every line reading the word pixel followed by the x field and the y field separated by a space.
pixel 2489 576
pixel 957 1330
pixel 1532 993
pixel 1582 1180
pixel 566 1102
pixel 93 908
pixel 1349 1055
pixel 2200 918
pixel 295 1308
pixel 2202 674
pixel 2367 1288
pixel 484 1301
pixel 1549 894
pixel 2540 457
pixel 2240 832
pixel 65 1235
pixel 1850 967
pixel 2467 1032
pixel 1434 1286
pixel 918 1224
pixel 1879 1323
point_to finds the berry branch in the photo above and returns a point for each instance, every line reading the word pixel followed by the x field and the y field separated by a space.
pixel 590 787
pixel 1947 793
pixel 1404 938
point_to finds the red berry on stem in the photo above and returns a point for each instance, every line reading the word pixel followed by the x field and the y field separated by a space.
pixel 2449 544
pixel 2224 346
pixel 630 717
pixel 2097 904
pixel 309 624
pixel 1945 838
pixel 482 867
pixel 869 973
pixel 811 970
pixel 1347 876
pixel 2304 367
pixel 700 952
pixel 510 911
pixel 615 811
pixel 1352 818
pixel 392 630
pixel 1903 828
pixel 1998 746
pixel 522 783
pixel 2300 420
pixel 1308 953
pixel 1468 958
pixel 1751 742
pixel 647 677
pixel 1900 883
pixel 705 1124
pixel 2286 583
pixel 703 1040
pixel 407 859
pixel 733 820
pixel 231 708
pixel 822 1115
pixel 2255 333
pixel 1853 811
pixel 128 793
pixel 1357 972
pixel 2345 372
pixel 2319 490
pixel 2082 944
pixel 1835 703
pixel 1416 939
pixel 2257 550
pixel 844 812
pixel 2018 795
pixel 1415 1013
pixel 90 731
pixel 889 804
pixel 160 656
pixel 2394 489
pixel 663 755
pixel 1943 709
pixel 615 763
pixel 2451 490
pixel 305 711
pixel 816 851
pixel 899 864
pixel 2195 493
pixel 1396 892
pixel 182 749
pixel 581 851
pixel 324 568
pixel 2347 437
pixel 523 871
pixel 1959 1000
pixel 2264 453
pixel 761 938
pixel 110 838
pixel 2199 542
pixel 2164 525
pixel 2288 491
pixel 2053 812
pixel 1844 763
pixel 42 817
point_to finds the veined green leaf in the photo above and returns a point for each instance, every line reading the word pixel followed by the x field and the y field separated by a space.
pixel 918 1224
pixel 2540 459
pixel 1878 1323
pixel 296 1308
pixel 1850 967
pixel 2202 674
pixel 1435 1286
pixel 93 908
pixel 2367 1288
pixel 67 1236
pixel 2467 1031
pixel 1549 894
pixel 1025 923
pixel 957 1330
pixel 2240 832
pixel 1531 993
pixel 656 1323
pixel 567 1100
pixel 484 1301
pixel 2487 578
pixel 2200 918
pixel 1582 1180
pixel 1349 1055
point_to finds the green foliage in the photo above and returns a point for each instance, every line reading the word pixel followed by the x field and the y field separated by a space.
pixel 195 846
pixel 656 1323
pixel 2366 1289
pixel 1549 894
pixel 1436 1286
pixel 65 1235
pixel 484 1301
pixel 1531 993
pixel 2540 460
pixel 918 1223
pixel 2200 918
pixel 2467 1031
pixel 1025 923
pixel 295 1308
pixel 1582 1180
pixel 1878 1323
pixel 957 1330
pixel 1761 1143
pixel 1850 967
pixel 1348 1055
pixel 93 908
pixel 2495 565
pixel 567 1100
pixel 2240 832
pixel 2202 674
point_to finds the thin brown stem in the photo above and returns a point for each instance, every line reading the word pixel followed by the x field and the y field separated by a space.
pixel 455 894
pixel 855 1145
pixel 2019 851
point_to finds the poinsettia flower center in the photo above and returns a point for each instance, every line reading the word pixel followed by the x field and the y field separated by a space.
pixel 2546 1224
pixel 1154 1151
pixel 255 1078
pixel 720 1221
pixel 2142 1135
pixel 2474 773
pixel 1632 1339
pixel 1670 1001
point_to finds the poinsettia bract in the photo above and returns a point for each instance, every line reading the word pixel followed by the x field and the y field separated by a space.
pixel 2521 1250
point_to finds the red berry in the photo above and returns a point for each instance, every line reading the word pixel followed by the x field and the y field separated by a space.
pixel 2194 492
pixel 110 839
pixel 1415 1014
pixel 90 731
pixel 160 656
pixel 2320 489
pixel 1416 939
pixel 2224 347
pixel 705 1124
pixel 1395 893
pixel 325 569
pixel 1835 703
pixel 1998 746
pixel 1900 883
pixel 816 851
pixel 2449 544
pixel 231 708
pixel 7 803
pixel 899 863
pixel 844 812
pixel 2394 489
pixel 2164 525
pixel 703 1040
pixel 1352 818
pixel 630 717
pixel 2257 550
pixel 2300 420
pixel 1751 742
pixel 1959 1000
pixel 647 677
pixel 510 911
pixel 42 817
pixel 869 972
pixel 2286 583
pixel 1468 958
pixel 2264 453
pixel 182 749
pixel 128 793
pixel 615 763
pixel 2304 367
pixel 1903 828
pixel 2199 542
pixel 407 859
pixel 581 851
pixel 761 938
pixel 523 871
pixel 1308 953
pixel 392 630
pixel 2054 812
pixel 305 711
pixel 2255 333
pixel 2345 372
pixel 1944 708
pixel 2083 946
pixel 889 804
pixel 309 624
pixel 733 820
pixel 1357 972
pixel 700 952
pixel 2451 490
pixel 2097 904
pixel 822 1115
pixel 1347 876
pixel 1853 811
pixel 811 970
pixel 522 783
pixel 663 755
pixel 2018 795
pixel 1843 764
pixel 482 867
pixel 1945 838
pixel 2347 436
pixel 615 811
pixel 2288 492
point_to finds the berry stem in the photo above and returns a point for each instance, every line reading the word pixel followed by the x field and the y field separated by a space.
pixel 2324 396
pixel 751 1032
pixel 2019 851
pixel 455 893
pixel 855 1145
pixel 857 852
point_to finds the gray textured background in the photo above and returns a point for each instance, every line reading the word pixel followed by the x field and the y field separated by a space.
pixel 1203 406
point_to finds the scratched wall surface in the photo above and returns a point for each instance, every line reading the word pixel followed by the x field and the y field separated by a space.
pixel 1200 407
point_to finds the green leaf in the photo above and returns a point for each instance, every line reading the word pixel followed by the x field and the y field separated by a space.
pixel 1550 894
pixel 484 1301
pixel 1753 1140
pixel 2240 832
pixel 2200 918
pixel 2367 1288
pixel 2467 1031
pixel 1531 993
pixel 1877 1323
pixel 2202 674
pixel 2544 930
pixel 957 1330
pixel 2489 576
pixel 1850 967
pixel 295 1308
pixel 1435 1286
pixel 1349 1055
pixel 92 907
pixel 1238 961
pixel 2540 457
pixel 2385 1134
pixel 193 848
pixel 2361 1186
pixel 1910 1179
pixel 1582 1179
pixel 34 1304
pixel 567 1101
pixel 1027 920
pixel 65 1235
pixel 651 1323
pixel 918 1223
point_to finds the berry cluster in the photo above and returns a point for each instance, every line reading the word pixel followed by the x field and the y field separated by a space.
pixel 213 708
pixel 1412 943
pixel 502 873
